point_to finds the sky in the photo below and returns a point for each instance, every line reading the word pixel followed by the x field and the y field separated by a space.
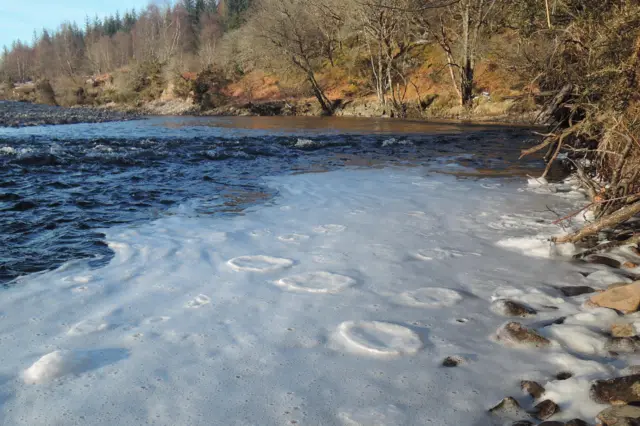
pixel 18 18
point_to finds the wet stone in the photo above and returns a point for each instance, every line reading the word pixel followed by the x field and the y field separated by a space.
pixel 623 330
pixel 516 333
pixel 625 345
pixel 523 423
pixel 512 308
pixel 452 361
pixel 532 388
pixel 572 291
pixel 551 423
pixel 564 375
pixel 624 415
pixel 508 408
pixel 604 260
pixel 545 409
pixel 618 391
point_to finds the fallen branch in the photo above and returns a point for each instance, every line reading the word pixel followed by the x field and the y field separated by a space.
pixel 608 246
pixel 612 220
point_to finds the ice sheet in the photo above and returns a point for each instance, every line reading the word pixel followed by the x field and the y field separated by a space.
pixel 333 305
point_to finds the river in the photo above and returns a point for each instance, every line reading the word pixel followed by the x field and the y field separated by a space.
pixel 271 271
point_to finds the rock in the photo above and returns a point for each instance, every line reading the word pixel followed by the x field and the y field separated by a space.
pixel 545 409
pixel 635 250
pixel 623 330
pixel 564 375
pixel 510 308
pixel 624 415
pixel 572 291
pixel 621 390
pixel 629 265
pixel 631 370
pixel 625 299
pixel 625 345
pixel 617 285
pixel 603 260
pixel 518 334
pixel 532 388
pixel 452 361
pixel 551 423
pixel 576 422
pixel 508 408
pixel 523 423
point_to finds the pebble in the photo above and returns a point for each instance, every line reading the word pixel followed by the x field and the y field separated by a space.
pixel 532 388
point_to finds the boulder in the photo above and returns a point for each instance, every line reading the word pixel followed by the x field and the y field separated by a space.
pixel 510 308
pixel 629 265
pixel 532 388
pixel 523 423
pixel 625 299
pixel 551 423
pixel 618 391
pixel 545 409
pixel 572 291
pixel 623 415
pixel 514 333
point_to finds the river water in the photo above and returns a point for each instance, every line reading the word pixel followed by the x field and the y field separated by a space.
pixel 60 185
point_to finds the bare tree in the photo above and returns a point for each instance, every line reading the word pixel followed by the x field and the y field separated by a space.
pixel 290 31
pixel 459 28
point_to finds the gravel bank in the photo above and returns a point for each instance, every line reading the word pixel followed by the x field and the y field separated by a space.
pixel 21 114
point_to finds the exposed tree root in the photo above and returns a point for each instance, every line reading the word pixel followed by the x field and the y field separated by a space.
pixel 610 221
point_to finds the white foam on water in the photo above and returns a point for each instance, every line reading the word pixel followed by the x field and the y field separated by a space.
pixel 218 320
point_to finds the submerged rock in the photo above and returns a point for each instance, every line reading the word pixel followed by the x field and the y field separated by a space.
pixel 624 415
pixel 545 409
pixel 518 334
pixel 618 391
pixel 625 345
pixel 510 308
pixel 532 388
pixel 571 291
pixel 508 408
pixel 625 299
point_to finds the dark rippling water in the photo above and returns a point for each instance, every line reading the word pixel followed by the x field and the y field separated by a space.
pixel 60 185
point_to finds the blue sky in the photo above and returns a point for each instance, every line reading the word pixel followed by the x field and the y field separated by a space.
pixel 18 18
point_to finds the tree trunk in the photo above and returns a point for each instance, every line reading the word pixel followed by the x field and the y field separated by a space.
pixel 325 103
pixel 466 92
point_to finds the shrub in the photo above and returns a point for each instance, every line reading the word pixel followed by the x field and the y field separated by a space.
pixel 208 87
